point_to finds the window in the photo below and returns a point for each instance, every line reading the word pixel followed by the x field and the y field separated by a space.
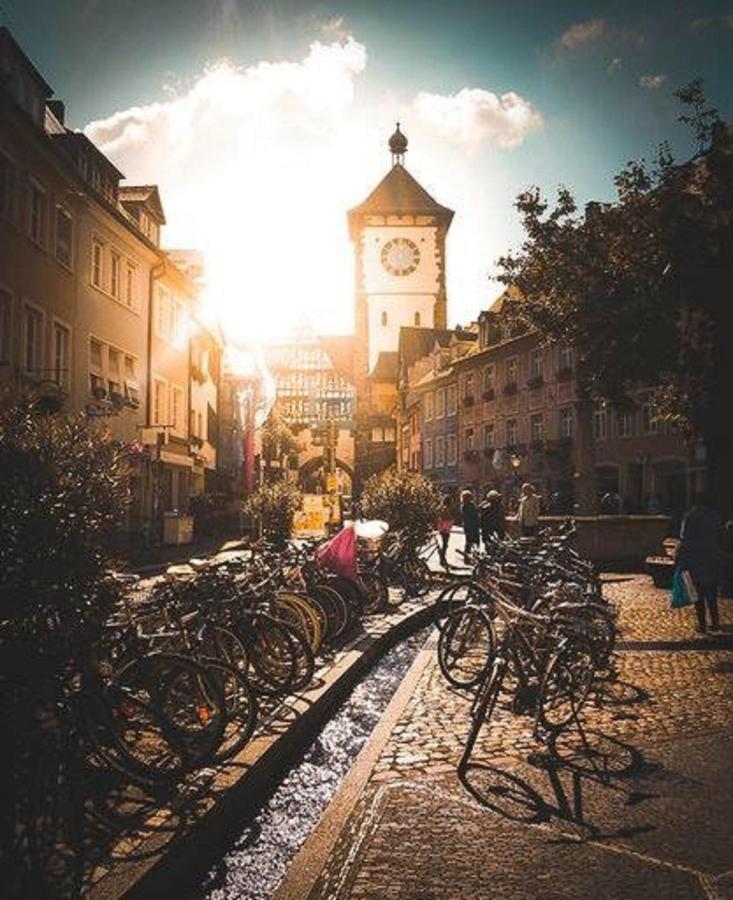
pixel 567 422
pixel 468 439
pixel 536 362
pixel 162 304
pixel 95 356
pixel 536 428
pixel 115 275
pixel 33 353
pixel 468 385
pixel 624 423
pixel 428 454
pixel 489 378
pixel 177 409
pixel 383 319
pixel 439 452
pixel 451 399
pixel 37 214
pixel 440 403
pixel 600 421
pixel 160 412
pixel 61 354
pixel 429 404
pixel 176 322
pixel 648 422
pixel 451 450
pixel 132 388
pixel 417 319
pixel 114 384
pixel 511 369
pixel 390 434
pixel 6 325
pixel 512 433
pixel 7 187
pixel 489 437
pixel 130 298
pixel 63 236
pixel 98 263
pixel 566 358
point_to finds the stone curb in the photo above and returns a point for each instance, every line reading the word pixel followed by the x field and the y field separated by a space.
pixel 303 871
pixel 164 866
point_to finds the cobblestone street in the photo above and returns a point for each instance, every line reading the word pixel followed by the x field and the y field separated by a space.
pixel 649 816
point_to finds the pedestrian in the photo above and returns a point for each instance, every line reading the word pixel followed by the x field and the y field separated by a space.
pixel 470 518
pixel 701 554
pixel 529 511
pixel 444 526
pixel 493 524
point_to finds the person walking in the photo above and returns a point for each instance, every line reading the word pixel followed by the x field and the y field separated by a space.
pixel 444 526
pixel 529 511
pixel 493 524
pixel 470 518
pixel 701 553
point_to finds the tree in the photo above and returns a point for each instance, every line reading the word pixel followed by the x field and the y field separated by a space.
pixel 407 501
pixel 640 286
pixel 63 491
pixel 274 506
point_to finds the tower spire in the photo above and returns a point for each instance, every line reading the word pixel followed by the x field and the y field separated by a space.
pixel 398 147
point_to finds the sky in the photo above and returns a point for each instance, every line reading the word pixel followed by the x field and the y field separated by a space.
pixel 263 122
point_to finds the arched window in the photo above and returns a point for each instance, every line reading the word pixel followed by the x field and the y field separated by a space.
pixel 417 319
pixel 384 319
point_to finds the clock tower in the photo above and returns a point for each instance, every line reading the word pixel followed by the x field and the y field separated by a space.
pixel 398 234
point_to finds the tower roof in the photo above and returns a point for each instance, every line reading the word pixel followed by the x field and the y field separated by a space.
pixel 398 193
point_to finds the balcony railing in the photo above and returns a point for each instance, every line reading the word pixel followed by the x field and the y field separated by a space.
pixel 510 388
pixel 535 381
pixel 489 394
pixel 565 373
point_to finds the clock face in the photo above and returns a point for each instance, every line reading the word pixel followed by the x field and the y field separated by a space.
pixel 400 256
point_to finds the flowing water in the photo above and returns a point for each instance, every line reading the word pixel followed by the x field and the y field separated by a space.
pixel 253 866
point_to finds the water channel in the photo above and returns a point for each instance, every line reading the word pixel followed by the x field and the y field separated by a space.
pixel 252 867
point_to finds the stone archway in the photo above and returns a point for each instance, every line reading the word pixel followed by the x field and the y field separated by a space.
pixel 311 476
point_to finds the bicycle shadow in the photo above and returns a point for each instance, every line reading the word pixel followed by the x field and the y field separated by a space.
pixel 586 782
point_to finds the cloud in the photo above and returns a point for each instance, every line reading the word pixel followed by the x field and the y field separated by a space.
pixel 652 82
pixel 709 21
pixel 255 164
pixel 335 28
pixel 583 32
pixel 614 66
pixel 473 115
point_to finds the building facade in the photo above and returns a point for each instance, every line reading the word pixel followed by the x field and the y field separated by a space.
pixel 313 392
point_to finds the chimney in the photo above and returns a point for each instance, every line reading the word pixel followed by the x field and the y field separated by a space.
pixel 58 109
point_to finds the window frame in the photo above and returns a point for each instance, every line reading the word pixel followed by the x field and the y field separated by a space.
pixel 59 325
pixel 428 453
pixel 101 244
pixel 566 416
pixel 35 188
pixel 68 263
pixel 7 318
pixel 37 371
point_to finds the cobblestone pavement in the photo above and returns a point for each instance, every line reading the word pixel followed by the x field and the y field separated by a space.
pixel 647 814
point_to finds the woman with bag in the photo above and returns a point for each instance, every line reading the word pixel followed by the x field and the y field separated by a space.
pixel 701 554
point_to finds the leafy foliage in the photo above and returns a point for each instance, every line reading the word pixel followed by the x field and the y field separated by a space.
pixel 640 285
pixel 274 506
pixel 406 500
pixel 63 490
pixel 278 439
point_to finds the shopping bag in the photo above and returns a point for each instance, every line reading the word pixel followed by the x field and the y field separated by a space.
pixel 690 588
pixel 339 554
pixel 680 594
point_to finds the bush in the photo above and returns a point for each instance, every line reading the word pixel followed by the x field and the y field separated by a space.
pixel 63 490
pixel 274 506
pixel 406 500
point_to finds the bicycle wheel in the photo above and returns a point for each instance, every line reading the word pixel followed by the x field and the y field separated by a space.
pixel 417 576
pixel 304 660
pixel 483 707
pixel 301 615
pixel 271 654
pixel 564 689
pixel 241 708
pixel 376 592
pixel 466 646
pixel 167 713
